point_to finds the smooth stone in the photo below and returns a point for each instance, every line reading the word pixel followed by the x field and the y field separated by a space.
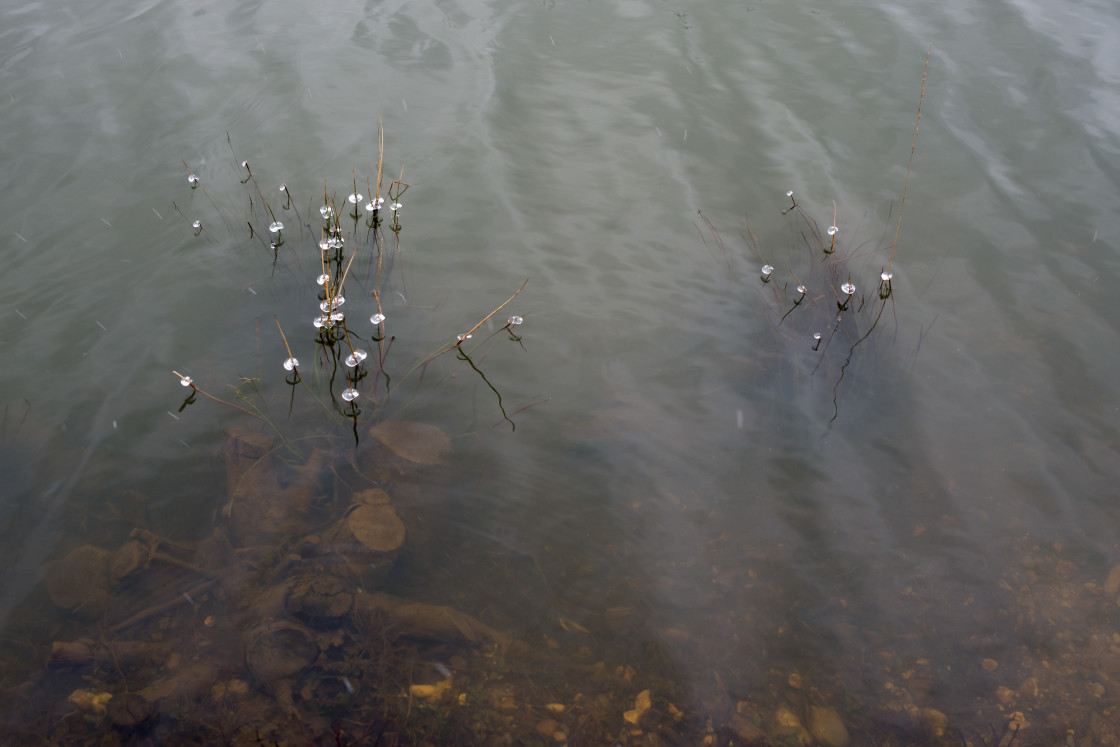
pixel 748 734
pixel 827 727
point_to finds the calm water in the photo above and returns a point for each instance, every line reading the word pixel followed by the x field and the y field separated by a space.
pixel 884 527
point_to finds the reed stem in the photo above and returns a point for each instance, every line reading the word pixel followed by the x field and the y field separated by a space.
pixel 913 147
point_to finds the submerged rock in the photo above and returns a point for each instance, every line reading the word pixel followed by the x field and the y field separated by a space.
pixel 747 733
pixel 642 704
pixel 371 497
pixel 365 543
pixel 280 649
pixel 319 600
pixel 935 722
pixel 269 499
pixel 827 727
pixel 79 582
pixel 90 701
pixel 787 726
pixel 129 710
pixel 131 559
pixel 416 442
pixel 430 692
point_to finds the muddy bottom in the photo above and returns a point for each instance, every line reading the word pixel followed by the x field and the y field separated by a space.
pixel 298 620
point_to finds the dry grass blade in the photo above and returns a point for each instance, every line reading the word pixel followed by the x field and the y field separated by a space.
pixel 284 338
pixel 470 331
pixel 913 147
pixel 187 381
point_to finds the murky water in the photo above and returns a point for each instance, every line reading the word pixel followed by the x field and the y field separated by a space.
pixel 914 522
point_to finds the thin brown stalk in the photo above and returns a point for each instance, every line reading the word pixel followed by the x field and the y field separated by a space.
pixel 345 273
pixel 492 313
pixel 913 147
pixel 191 384
pixel 832 246
pixel 380 153
pixel 283 337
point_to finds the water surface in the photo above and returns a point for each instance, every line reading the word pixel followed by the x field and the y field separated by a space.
pixel 881 527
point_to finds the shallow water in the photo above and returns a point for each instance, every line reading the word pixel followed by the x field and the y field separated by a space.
pixel 945 497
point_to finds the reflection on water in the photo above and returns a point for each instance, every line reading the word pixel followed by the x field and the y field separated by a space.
pixel 707 526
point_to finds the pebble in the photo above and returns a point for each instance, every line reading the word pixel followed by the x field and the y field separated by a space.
pixel 827 727
pixel 789 727
pixel 748 734
pixel 642 704
pixel 91 701
pixel 430 692
pixel 935 721
pixel 548 727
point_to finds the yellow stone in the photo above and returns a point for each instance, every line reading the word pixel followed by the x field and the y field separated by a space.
pixel 430 692
pixel 371 497
pixel 90 701
pixel 641 705
pixel 548 727
pixel 789 727
pixel 936 721
pixel 827 727
pixel 787 719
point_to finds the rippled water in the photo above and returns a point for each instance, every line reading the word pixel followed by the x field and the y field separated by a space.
pixel 686 473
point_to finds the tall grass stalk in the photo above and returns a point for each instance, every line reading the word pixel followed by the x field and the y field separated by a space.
pixel 913 147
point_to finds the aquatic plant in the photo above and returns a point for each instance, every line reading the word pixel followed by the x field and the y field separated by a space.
pixel 350 363
pixel 828 313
